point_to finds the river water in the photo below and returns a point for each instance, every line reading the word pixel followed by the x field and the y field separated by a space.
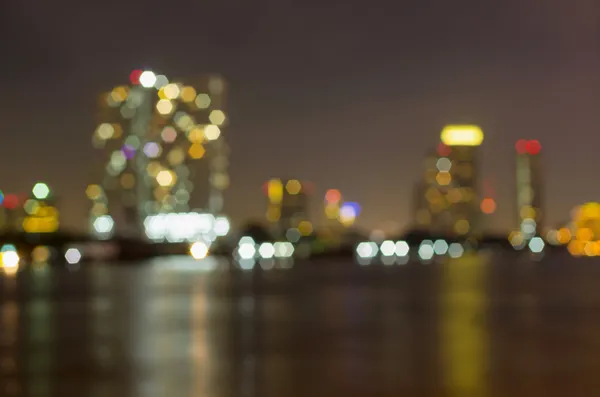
pixel 493 325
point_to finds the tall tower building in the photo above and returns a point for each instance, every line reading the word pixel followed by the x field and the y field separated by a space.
pixel 164 152
pixel 529 187
pixel 449 194
pixel 287 209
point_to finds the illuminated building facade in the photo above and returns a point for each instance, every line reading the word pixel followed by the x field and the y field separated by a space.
pixel 163 150
pixel 529 188
pixel 40 211
pixel 35 212
pixel 448 198
pixel 287 208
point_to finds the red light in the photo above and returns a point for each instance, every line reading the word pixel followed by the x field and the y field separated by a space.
pixel 333 196
pixel 134 77
pixel 443 150
pixel 488 206
pixel 11 201
pixel 265 188
pixel 533 147
pixel 521 146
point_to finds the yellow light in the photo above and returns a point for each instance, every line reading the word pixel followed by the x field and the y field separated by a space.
pixel 188 94
pixel 93 192
pixel 563 235
pixel 176 156
pixel 41 224
pixel 275 191
pixel 196 135
pixel 293 187
pixel 585 234
pixel 462 135
pixel 462 226
pixel 217 117
pixel 153 168
pixel 528 212
pixel 127 181
pixel 332 211
pixel 443 178
pixel 273 214
pixel 305 228
pixel 40 254
pixel 196 151
pixel 199 250
pixel 576 247
pixel 166 178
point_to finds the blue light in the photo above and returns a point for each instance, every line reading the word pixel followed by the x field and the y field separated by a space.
pixel 1 197
pixel 8 248
pixel 351 207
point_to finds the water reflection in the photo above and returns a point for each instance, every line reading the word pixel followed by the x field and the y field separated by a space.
pixel 463 327
pixel 469 327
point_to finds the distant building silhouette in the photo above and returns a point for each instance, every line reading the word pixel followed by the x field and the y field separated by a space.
pixel 529 189
pixel 447 199
pixel 287 208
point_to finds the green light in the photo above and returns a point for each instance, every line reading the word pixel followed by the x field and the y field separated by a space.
pixel 41 191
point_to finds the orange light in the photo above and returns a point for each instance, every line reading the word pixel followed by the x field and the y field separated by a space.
pixel 333 196
pixel 488 206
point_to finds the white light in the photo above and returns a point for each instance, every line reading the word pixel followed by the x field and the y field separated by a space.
pixel 455 250
pixel 367 249
pixel 246 251
pixel 402 248
pixel 246 240
pixel 388 248
pixel 212 132
pixel 104 224
pixel 440 247
pixel 147 79
pixel 221 226
pixel 152 149
pixel 426 250
pixel 536 245
pixel 199 250
pixel 10 260
pixel 266 250
pixel 180 227
pixel 284 249
pixel 73 256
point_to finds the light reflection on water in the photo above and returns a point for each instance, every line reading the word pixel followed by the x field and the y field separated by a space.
pixel 480 326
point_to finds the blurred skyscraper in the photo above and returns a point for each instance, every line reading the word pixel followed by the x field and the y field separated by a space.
pixel 529 188
pixel 163 149
pixel 447 200
pixel 287 208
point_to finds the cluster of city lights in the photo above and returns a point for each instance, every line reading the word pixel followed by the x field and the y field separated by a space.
pixel 151 132
pixel 398 252
pixel 582 235
pixel 345 212
pixel 185 227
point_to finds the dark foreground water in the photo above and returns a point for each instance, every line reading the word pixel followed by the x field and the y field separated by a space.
pixel 483 326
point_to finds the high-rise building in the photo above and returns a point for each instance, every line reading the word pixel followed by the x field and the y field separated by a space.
pixel 529 188
pixel 287 209
pixel 164 153
pixel 447 201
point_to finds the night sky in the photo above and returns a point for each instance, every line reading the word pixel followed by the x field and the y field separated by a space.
pixel 348 94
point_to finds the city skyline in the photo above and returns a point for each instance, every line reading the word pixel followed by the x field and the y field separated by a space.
pixel 359 118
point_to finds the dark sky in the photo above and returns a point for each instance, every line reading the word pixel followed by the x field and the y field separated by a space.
pixel 348 94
